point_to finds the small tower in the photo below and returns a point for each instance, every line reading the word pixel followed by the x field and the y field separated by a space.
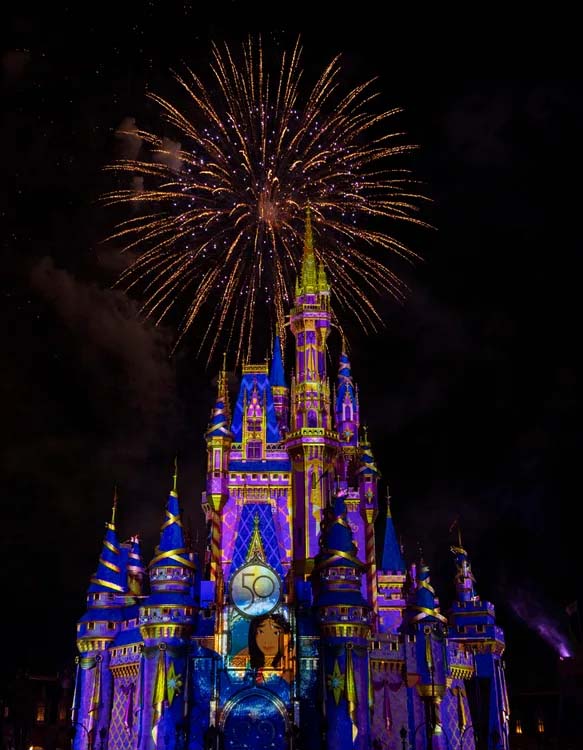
pixel 347 410
pixel 344 618
pixel 96 632
pixel 473 623
pixel 391 579
pixel 166 618
pixel 136 571
pixel 279 387
pixel 425 626
pixel 368 476
pixel 218 442
pixel 311 443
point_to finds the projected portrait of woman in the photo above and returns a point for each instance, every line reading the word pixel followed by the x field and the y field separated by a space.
pixel 270 644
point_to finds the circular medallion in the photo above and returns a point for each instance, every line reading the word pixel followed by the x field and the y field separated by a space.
pixel 255 589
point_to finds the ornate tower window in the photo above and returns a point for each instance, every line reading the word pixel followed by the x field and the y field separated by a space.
pixel 40 715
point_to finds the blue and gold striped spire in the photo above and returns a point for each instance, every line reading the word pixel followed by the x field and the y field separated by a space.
pixel 367 462
pixel 425 606
pixel 172 551
pixel 221 413
pixel 109 576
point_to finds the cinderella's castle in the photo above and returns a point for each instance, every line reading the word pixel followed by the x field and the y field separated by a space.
pixel 293 633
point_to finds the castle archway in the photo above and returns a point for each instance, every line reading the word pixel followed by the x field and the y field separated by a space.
pixel 255 720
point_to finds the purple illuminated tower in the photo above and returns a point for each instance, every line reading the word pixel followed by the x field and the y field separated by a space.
pixel 292 633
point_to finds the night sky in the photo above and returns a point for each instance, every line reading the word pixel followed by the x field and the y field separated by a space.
pixel 471 394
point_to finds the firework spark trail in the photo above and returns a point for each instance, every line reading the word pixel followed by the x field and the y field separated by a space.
pixel 223 214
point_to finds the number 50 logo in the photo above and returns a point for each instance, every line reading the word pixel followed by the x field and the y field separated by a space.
pixel 255 589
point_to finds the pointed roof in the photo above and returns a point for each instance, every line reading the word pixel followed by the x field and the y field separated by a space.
pixel 172 550
pixel 135 561
pixel 109 576
pixel 392 556
pixel 464 579
pixel 221 413
pixel 312 277
pixel 425 605
pixel 338 550
pixel 336 539
pixel 367 462
pixel 277 375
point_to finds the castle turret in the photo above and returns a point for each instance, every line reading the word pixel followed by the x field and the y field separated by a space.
pixel 347 409
pixel 425 626
pixel 279 387
pixel 312 443
pixel 96 632
pixel 136 571
pixel 166 618
pixel 391 579
pixel 368 476
pixel 344 618
pixel 218 441
pixel 473 623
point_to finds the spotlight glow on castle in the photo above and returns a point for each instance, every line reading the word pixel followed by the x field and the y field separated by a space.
pixel 294 633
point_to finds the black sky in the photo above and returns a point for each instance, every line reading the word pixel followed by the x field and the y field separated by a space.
pixel 472 394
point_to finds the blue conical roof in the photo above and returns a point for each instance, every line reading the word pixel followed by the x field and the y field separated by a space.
pixel 392 557
pixel 337 538
pixel 172 550
pixel 425 604
pixel 110 573
pixel 277 374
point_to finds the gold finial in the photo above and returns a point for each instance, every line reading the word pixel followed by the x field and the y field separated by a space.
pixel 388 503
pixel 113 508
pixel 365 430
pixel 175 477
pixel 309 240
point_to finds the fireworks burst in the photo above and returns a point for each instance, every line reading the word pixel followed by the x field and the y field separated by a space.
pixel 219 217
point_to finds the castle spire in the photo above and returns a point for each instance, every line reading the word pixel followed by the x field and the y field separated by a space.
pixel 464 578
pixel 392 557
pixel 276 374
pixel 108 576
pixel 309 274
pixel 220 415
pixel 425 606
pixel 171 551
pixel 347 411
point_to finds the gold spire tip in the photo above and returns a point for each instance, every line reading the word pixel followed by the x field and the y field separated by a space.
pixel 114 507
pixel 175 477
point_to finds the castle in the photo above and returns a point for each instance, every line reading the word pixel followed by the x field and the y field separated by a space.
pixel 293 633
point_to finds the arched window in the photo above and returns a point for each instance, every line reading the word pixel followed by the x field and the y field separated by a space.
pixel 312 418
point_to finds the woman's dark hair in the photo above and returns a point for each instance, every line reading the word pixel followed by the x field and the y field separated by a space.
pixel 257 657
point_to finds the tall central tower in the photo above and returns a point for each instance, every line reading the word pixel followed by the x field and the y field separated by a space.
pixel 312 443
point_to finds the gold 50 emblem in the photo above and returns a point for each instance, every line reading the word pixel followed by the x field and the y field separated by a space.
pixel 255 589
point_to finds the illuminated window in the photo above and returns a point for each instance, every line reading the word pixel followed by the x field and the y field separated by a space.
pixel 62 712
pixel 6 712
pixel 40 713
pixel 254 449
pixel 518 727
pixel 540 726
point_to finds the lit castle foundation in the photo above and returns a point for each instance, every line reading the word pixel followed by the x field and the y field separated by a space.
pixel 293 633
